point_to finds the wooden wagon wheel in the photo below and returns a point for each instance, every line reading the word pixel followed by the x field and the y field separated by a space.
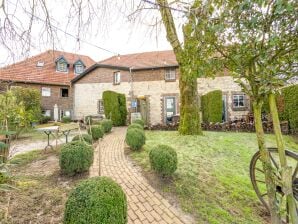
pixel 257 177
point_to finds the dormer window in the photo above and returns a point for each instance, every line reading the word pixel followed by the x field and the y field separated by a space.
pixel 61 64
pixel 79 67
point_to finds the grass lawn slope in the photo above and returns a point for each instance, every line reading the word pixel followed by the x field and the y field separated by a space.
pixel 212 180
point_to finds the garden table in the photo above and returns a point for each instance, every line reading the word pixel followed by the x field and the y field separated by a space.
pixel 55 130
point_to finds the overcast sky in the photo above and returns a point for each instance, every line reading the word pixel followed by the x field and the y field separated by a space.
pixel 112 31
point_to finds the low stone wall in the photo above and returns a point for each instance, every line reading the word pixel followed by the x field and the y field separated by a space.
pixel 227 126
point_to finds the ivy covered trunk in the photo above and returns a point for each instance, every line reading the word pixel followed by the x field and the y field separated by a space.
pixel 286 171
pixel 190 123
pixel 265 158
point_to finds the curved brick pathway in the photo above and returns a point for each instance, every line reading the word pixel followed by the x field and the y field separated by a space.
pixel 145 205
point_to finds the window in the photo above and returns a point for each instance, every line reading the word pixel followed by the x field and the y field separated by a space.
pixel 100 107
pixel 45 91
pixel 65 113
pixel 117 77
pixel 64 92
pixel 170 74
pixel 46 113
pixel 79 69
pixel 62 66
pixel 238 100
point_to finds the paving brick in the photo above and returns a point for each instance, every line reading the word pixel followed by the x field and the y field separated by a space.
pixel 145 204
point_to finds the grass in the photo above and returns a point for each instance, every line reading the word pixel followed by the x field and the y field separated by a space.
pixel 212 180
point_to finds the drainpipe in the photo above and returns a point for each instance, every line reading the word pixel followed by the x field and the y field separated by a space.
pixel 131 85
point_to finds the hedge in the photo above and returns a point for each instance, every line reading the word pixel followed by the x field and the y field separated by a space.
pixel 66 119
pixel 163 159
pixel 75 157
pixel 211 105
pixel 136 126
pixel 115 107
pixel 287 105
pixel 84 137
pixel 107 125
pixel 96 132
pixel 96 200
pixel 139 121
pixel 135 138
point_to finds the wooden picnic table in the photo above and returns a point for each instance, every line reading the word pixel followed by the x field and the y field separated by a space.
pixel 55 130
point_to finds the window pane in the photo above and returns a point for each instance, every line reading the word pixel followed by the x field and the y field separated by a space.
pixel 45 91
pixel 64 92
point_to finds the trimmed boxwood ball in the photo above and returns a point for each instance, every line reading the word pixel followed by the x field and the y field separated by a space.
pixel 106 125
pixel 163 159
pixel 135 125
pixel 135 138
pixel 96 132
pixel 98 200
pixel 75 157
pixel 85 137
pixel 139 121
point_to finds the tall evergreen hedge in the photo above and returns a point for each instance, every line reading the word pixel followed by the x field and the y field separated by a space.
pixel 211 104
pixel 115 107
pixel 287 105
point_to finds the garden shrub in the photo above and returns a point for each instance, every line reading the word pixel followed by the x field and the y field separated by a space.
pixel 75 157
pixel 85 137
pixel 96 132
pixel 122 108
pixel 135 138
pixel 139 121
pixel 106 125
pixel 96 200
pixel 115 107
pixel 45 119
pixel 287 106
pixel 135 125
pixel 163 159
pixel 211 105
pixel 66 119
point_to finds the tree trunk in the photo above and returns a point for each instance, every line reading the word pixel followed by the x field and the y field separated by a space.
pixel 268 170
pixel 286 171
pixel 190 123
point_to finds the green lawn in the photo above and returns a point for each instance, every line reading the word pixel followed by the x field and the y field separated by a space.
pixel 212 180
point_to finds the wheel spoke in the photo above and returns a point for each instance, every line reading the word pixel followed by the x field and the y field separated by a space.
pixel 263 195
pixel 261 181
pixel 273 161
pixel 258 169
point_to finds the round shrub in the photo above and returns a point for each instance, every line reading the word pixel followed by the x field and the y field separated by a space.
pixel 106 125
pixel 96 132
pixel 66 119
pixel 139 121
pixel 75 157
pixel 85 137
pixel 135 125
pixel 96 200
pixel 163 159
pixel 135 138
pixel 3 178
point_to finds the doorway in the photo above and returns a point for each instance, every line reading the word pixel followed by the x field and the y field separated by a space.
pixel 170 108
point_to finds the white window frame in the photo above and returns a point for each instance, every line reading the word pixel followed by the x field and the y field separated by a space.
pixel 117 78
pixel 79 66
pixel 100 106
pixel 58 68
pixel 237 97
pixel 170 74
pixel 46 91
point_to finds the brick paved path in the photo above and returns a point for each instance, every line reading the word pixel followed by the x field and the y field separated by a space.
pixel 145 205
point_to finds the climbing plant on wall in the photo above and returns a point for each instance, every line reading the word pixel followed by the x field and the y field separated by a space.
pixel 211 106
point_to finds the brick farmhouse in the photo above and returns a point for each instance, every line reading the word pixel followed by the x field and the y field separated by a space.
pixel 51 73
pixel 150 82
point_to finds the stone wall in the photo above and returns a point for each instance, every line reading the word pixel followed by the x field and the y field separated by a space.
pixel 148 83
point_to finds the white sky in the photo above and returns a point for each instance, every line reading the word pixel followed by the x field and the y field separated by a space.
pixel 116 33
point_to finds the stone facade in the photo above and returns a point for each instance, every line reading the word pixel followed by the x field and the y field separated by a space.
pixel 149 84
pixel 47 102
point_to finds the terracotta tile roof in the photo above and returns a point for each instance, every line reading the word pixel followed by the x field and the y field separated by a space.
pixel 27 70
pixel 143 60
